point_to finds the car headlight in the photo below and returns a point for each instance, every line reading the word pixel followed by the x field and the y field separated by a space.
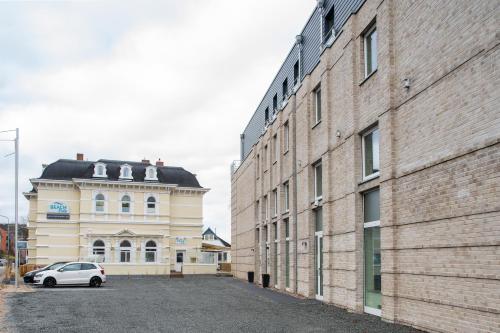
pixel 38 274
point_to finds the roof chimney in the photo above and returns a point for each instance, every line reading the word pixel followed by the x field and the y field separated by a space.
pixel 79 156
pixel 145 161
pixel 159 163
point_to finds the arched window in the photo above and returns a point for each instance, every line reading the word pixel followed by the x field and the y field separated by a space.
pixel 150 251
pixel 99 202
pixel 99 249
pixel 151 173
pixel 125 251
pixel 151 205
pixel 126 172
pixel 100 170
pixel 126 204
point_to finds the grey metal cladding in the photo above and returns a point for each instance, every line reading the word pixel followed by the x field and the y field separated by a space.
pixel 311 52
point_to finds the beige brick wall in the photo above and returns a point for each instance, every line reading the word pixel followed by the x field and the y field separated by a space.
pixel 440 167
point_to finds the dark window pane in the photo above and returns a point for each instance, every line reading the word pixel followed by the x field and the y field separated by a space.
pixel 372 206
pixel 318 219
pixel 72 267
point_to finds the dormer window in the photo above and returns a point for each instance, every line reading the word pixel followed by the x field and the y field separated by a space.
pixel 329 31
pixel 151 173
pixel 126 172
pixel 100 170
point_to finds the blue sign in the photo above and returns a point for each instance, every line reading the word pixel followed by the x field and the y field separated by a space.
pixel 58 211
pixel 58 208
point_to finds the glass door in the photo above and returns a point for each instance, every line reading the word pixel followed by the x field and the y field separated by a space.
pixel 318 245
pixel 372 254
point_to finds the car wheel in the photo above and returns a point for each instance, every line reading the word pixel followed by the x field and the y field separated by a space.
pixel 95 282
pixel 49 282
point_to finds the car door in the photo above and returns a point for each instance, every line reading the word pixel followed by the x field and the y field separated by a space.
pixel 86 272
pixel 68 274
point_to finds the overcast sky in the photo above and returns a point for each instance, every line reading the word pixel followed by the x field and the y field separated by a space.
pixel 176 80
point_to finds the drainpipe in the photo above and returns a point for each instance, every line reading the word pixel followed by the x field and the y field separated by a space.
pixel 299 42
pixel 294 174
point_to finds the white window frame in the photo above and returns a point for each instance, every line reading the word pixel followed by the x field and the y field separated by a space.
pixel 146 209
pixel 264 158
pixel 363 157
pixel 286 137
pixel 97 167
pixel 372 29
pixel 99 249
pixel 266 208
pixel 155 173
pixel 104 206
pixel 129 203
pixel 275 202
pixel 317 105
pixel 286 196
pixel 258 165
pixel 367 225
pixel 151 249
pixel 128 168
pixel 275 148
pixel 125 249
pixel 315 166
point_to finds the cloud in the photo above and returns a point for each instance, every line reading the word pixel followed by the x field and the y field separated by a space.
pixel 176 80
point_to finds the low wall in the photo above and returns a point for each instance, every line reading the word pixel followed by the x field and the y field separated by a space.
pixel 199 269
pixel 135 269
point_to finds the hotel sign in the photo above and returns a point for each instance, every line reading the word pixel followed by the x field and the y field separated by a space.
pixel 58 211
pixel 180 240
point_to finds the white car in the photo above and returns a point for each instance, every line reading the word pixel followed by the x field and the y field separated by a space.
pixel 72 273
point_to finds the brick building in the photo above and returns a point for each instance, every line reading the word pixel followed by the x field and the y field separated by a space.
pixel 369 173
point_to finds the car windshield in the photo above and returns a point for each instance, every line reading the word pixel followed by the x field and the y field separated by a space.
pixel 54 266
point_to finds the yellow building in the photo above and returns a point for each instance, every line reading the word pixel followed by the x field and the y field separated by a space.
pixel 134 217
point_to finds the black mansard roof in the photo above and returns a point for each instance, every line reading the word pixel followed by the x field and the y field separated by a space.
pixel 64 169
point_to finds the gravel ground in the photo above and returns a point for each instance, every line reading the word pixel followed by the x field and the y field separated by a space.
pixel 192 304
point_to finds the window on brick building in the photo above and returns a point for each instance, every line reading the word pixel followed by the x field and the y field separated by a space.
pixel 266 115
pixel 275 202
pixel 296 73
pixel 257 165
pixel 264 158
pixel 285 89
pixel 286 196
pixel 275 102
pixel 276 149
pixel 266 208
pixel 317 104
pixel 372 252
pixel 370 50
pixel 318 181
pixel 370 148
pixel 286 137
pixel 328 32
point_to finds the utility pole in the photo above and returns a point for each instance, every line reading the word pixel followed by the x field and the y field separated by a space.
pixel 16 251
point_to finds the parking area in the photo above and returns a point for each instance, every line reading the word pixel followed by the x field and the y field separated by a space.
pixel 190 304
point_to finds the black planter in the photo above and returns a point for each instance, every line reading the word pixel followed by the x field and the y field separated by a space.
pixel 250 277
pixel 265 280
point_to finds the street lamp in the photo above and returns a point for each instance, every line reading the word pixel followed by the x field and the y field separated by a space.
pixel 16 152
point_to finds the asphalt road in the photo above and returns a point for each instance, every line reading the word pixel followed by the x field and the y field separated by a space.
pixel 192 304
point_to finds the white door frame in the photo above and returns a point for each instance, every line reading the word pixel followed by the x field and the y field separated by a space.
pixel 368 309
pixel 178 265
